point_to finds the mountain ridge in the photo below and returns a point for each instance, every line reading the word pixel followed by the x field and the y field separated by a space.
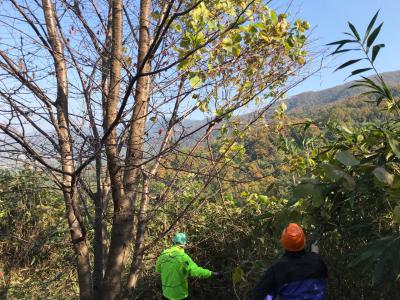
pixel 335 93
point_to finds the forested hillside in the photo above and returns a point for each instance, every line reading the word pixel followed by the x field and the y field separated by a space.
pixel 249 201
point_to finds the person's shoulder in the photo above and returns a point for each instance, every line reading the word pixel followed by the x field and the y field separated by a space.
pixel 173 253
pixel 318 261
pixel 180 253
pixel 168 252
pixel 278 266
pixel 315 256
pixel 279 263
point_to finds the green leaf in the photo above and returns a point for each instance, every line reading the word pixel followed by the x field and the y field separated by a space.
pixel 345 129
pixel 349 63
pixel 263 198
pixel 195 81
pixel 355 72
pixel 371 24
pixel 369 93
pixel 236 51
pixel 379 270
pixel 227 42
pixel 308 190
pixel 346 158
pixel 354 30
pixel 396 214
pixel 383 176
pixel 360 259
pixel 274 17
pixel 379 100
pixel 341 42
pixel 237 275
pixel 376 50
pixel 394 144
pixel 372 251
pixel 303 190
pixel 373 35
pixel 177 26
pixel 349 183
pixel 372 84
pixel 341 51
pixel 333 172
pixel 203 105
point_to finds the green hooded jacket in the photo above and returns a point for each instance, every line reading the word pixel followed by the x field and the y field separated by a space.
pixel 175 266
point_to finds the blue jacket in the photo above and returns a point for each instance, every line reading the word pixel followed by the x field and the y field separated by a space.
pixel 296 276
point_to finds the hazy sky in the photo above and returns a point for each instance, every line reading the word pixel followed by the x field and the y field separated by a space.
pixel 329 19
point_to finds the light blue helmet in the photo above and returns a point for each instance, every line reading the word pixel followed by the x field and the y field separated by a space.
pixel 180 239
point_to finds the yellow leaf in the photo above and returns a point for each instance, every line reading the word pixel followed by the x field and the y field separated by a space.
pixel 237 275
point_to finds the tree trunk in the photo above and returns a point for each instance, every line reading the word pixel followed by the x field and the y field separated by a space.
pixel 78 234
pixel 139 241
pixel 78 237
pixel 122 210
pixel 101 240
pixel 99 237
pixel 143 217
pixel 137 129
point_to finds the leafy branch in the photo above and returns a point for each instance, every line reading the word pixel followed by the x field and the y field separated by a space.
pixel 365 44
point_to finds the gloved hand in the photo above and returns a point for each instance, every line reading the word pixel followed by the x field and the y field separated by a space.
pixel 218 274
pixel 314 247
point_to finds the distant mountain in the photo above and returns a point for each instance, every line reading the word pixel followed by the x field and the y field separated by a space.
pixel 339 100
pixel 314 98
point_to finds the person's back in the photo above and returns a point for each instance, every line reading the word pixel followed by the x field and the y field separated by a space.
pixel 175 266
pixel 297 275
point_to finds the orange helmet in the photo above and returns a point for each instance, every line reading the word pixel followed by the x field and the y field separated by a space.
pixel 293 238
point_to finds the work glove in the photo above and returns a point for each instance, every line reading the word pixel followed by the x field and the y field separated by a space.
pixel 314 247
pixel 218 274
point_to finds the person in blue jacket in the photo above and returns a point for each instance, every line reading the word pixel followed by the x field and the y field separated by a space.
pixel 297 275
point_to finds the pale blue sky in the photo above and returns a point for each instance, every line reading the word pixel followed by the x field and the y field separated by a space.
pixel 329 19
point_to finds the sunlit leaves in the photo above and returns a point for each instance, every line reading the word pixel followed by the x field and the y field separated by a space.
pixel 241 49
pixel 232 44
pixel 200 13
pixel 274 17
pixel 302 26
pixel 203 104
pixel 195 81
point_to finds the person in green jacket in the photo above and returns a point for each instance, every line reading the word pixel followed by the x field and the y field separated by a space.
pixel 175 267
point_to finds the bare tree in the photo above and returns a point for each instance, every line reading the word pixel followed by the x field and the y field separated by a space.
pixel 100 94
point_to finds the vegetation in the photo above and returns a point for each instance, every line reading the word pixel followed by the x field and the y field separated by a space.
pixel 95 201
